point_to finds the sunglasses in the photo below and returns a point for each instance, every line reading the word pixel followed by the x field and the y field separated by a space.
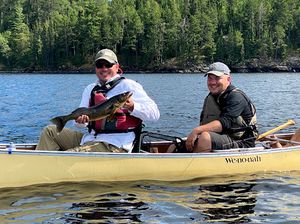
pixel 100 64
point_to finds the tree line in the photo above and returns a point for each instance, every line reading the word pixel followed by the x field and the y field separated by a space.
pixel 66 34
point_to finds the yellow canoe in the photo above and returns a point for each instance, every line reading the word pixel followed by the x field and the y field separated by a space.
pixel 25 166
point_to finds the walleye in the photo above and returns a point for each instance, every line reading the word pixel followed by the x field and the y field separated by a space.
pixel 96 112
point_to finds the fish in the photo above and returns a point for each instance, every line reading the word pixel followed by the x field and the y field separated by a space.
pixel 97 112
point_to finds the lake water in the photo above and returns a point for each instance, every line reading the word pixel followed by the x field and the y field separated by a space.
pixel 28 101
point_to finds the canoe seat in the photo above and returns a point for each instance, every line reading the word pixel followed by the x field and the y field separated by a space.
pixel 157 143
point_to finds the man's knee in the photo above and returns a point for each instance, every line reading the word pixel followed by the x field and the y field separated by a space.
pixel 203 143
pixel 204 136
pixel 49 130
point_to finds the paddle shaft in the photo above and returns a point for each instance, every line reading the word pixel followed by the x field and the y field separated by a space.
pixel 288 123
pixel 284 141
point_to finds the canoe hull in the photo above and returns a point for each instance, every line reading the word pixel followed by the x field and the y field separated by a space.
pixel 25 167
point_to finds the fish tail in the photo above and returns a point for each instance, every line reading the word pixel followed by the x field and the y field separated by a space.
pixel 60 122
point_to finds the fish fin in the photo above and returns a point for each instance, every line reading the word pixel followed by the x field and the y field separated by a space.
pixel 111 116
pixel 60 122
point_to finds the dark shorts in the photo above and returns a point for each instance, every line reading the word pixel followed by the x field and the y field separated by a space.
pixel 219 142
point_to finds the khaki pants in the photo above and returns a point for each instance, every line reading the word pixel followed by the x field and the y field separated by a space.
pixel 69 140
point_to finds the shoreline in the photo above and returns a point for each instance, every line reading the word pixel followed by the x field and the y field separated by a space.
pixel 254 67
pixel 171 71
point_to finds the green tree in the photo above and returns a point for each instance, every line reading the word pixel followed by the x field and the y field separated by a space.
pixel 19 40
pixel 5 50
pixel 87 35
pixel 280 21
pixel 294 34
pixel 199 30
pixel 233 48
pixel 171 17
pixel 133 28
pixel 116 19
pixel 151 41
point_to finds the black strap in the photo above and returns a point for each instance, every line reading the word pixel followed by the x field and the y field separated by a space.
pixel 108 86
pixel 137 138
pixel 104 88
pixel 239 129
pixel 115 131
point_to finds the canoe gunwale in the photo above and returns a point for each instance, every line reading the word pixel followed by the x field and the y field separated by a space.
pixel 29 149
pixel 219 153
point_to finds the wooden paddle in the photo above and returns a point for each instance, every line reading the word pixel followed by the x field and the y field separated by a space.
pixel 280 127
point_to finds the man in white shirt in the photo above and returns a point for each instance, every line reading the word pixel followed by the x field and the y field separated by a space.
pixel 115 134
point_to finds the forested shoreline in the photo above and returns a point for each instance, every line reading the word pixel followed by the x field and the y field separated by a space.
pixel 150 35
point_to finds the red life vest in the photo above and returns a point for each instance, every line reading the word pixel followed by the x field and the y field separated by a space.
pixel 121 121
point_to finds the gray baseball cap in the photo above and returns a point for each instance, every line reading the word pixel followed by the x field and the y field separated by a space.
pixel 218 69
pixel 108 55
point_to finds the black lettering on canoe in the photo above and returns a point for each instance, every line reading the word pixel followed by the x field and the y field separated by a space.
pixel 250 159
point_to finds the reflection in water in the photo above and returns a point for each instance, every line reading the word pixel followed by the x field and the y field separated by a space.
pixel 183 202
pixel 227 202
pixel 236 199
pixel 107 207
pixel 207 200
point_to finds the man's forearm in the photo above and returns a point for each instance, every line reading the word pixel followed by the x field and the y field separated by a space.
pixel 213 126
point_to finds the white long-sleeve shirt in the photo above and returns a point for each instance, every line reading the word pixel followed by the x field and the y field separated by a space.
pixel 144 108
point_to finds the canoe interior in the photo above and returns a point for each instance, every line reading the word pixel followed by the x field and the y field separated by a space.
pixel 158 143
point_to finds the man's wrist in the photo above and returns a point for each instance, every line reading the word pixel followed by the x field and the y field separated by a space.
pixel 197 130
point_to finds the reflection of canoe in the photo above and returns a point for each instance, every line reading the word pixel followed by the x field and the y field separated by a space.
pixel 26 166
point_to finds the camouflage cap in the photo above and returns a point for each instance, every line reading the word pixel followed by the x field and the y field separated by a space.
pixel 108 55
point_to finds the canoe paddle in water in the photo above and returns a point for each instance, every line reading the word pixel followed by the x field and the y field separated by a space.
pixel 96 112
pixel 280 127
